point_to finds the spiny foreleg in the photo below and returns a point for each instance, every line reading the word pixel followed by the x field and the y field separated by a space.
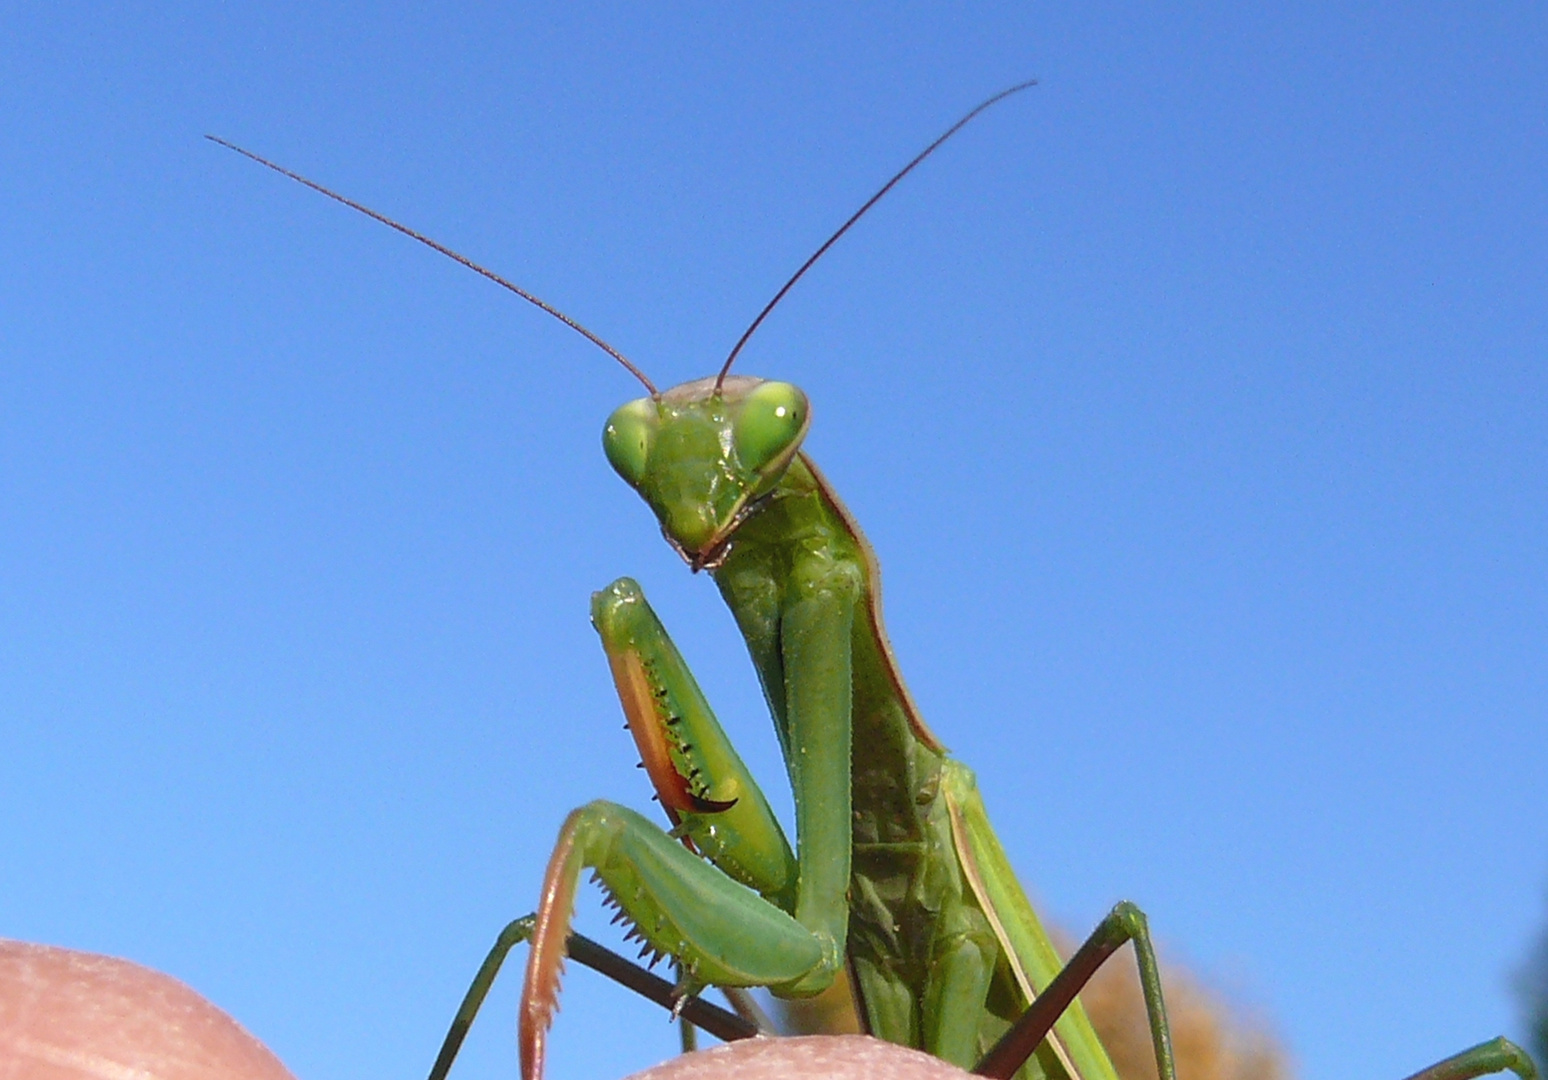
pixel 720 932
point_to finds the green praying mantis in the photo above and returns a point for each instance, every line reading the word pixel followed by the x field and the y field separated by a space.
pixel 896 879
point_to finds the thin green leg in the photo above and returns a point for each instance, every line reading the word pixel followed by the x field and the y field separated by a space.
pixel 1123 924
pixel 517 931
pixel 1496 1055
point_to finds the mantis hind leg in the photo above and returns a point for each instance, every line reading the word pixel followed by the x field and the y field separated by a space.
pixel 1123 924
pixel 1496 1055
pixel 1127 923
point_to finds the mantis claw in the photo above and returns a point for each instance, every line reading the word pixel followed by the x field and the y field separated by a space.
pixel 688 987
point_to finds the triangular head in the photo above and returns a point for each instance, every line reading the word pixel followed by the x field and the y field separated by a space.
pixel 703 455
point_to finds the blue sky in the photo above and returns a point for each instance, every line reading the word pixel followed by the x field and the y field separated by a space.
pixel 1195 403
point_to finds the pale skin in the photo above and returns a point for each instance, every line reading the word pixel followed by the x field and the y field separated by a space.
pixel 69 1015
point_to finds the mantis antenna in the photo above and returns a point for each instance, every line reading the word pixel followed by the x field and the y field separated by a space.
pixel 856 216
pixel 450 254
pixel 548 308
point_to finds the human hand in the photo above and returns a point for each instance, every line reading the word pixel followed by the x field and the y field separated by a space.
pixel 67 1015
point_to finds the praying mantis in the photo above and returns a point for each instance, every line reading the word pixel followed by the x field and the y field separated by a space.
pixel 896 879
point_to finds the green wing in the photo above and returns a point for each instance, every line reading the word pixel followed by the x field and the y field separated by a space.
pixel 1031 955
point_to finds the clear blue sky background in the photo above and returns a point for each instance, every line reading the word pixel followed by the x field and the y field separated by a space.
pixel 1195 402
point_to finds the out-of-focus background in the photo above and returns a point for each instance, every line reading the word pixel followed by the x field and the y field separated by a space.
pixel 1194 401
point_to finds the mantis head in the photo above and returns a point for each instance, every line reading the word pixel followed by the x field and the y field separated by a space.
pixel 703 454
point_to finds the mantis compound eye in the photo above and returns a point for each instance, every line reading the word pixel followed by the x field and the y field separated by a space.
pixel 628 436
pixel 772 420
